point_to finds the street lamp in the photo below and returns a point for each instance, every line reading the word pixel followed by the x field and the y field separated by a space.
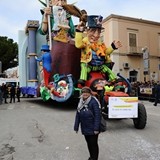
pixel 144 49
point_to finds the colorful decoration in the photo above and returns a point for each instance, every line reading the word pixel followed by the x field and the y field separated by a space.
pixel 95 21
pixel 98 21
pixel 98 48
pixel 62 88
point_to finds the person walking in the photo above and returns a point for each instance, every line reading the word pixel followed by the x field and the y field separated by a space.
pixel 88 117
pixel 157 91
pixel 18 94
pixel 12 92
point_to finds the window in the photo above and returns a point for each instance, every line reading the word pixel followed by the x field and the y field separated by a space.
pixel 133 76
pixel 132 40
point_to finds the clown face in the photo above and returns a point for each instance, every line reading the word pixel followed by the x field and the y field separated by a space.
pixel 93 34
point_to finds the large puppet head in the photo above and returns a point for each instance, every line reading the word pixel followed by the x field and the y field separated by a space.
pixel 94 27
pixel 58 2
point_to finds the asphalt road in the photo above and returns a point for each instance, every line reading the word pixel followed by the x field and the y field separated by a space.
pixel 34 130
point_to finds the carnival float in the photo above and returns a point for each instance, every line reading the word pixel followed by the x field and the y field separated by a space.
pixel 65 42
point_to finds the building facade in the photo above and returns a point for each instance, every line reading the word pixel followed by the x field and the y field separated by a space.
pixel 134 34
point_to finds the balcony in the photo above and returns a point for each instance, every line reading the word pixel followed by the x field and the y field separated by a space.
pixel 134 51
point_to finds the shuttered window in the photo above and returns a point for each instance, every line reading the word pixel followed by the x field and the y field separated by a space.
pixel 132 40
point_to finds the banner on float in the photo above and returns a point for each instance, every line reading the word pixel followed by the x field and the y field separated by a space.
pixel 123 107
pixel 145 90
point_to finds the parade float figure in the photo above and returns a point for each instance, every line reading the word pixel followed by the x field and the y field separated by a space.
pixel 62 28
pixel 46 59
pixel 58 17
pixel 60 21
pixel 58 27
pixel 94 53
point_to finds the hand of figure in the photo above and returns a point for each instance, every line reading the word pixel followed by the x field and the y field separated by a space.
pixel 79 26
pixel 96 132
pixel 47 11
pixel 36 57
pixel 117 44
pixel 76 131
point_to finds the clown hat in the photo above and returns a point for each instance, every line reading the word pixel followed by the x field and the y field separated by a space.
pixel 45 47
pixel 95 21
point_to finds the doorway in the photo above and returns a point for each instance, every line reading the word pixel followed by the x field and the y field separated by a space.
pixel 133 75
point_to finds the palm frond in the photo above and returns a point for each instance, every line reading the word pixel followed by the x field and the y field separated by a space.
pixel 45 4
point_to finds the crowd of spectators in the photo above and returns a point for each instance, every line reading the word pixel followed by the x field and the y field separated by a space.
pixel 137 86
pixel 148 84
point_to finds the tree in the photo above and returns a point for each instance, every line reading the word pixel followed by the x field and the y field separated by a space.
pixel 8 53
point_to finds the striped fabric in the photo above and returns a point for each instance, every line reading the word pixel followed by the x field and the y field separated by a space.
pixel 86 68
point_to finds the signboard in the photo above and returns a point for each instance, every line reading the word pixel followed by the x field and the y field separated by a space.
pixel 145 90
pixel 123 107
pixel 145 55
pixel 146 63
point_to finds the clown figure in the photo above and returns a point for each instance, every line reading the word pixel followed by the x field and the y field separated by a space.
pixel 94 53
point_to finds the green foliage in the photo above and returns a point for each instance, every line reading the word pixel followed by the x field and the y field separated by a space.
pixel 8 53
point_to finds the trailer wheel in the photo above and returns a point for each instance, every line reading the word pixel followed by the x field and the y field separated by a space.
pixel 141 121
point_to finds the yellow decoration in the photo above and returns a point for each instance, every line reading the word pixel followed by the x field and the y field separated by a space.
pixel 62 35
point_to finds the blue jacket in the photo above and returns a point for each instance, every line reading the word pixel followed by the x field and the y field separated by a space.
pixel 47 60
pixel 88 123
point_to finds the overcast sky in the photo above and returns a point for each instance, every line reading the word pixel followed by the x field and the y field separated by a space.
pixel 14 14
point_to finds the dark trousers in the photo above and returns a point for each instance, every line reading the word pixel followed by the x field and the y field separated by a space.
pixel 157 99
pixel 12 97
pixel 92 143
pixel 5 98
pixel 18 97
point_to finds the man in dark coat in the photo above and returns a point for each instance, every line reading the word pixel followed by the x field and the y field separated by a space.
pixel 157 91
pixel 12 92
pixel 5 93
pixel 18 93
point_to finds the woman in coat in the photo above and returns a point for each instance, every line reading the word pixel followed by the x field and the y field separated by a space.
pixel 88 116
